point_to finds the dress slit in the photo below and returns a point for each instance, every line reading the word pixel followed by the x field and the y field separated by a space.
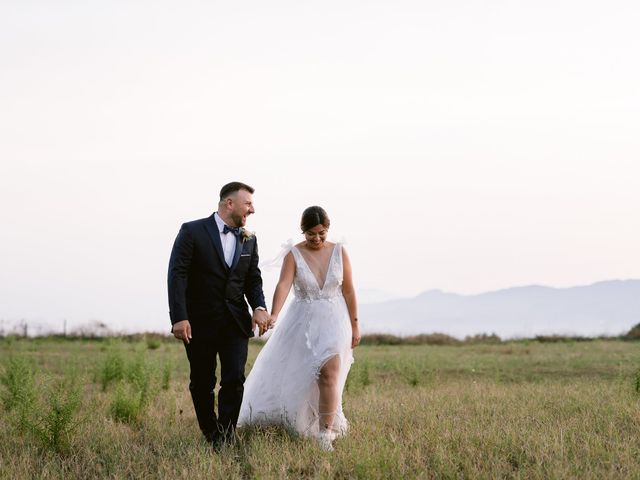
pixel 283 386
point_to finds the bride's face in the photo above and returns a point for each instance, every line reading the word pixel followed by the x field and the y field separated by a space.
pixel 316 236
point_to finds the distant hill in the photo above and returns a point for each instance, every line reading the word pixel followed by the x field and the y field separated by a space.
pixel 374 296
pixel 610 307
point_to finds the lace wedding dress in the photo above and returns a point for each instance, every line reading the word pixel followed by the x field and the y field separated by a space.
pixel 282 385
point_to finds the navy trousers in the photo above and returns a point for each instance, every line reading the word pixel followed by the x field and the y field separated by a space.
pixel 230 346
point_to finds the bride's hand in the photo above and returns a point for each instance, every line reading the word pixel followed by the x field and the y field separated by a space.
pixel 355 336
pixel 272 322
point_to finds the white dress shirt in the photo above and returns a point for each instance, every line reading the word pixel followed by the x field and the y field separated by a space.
pixel 228 241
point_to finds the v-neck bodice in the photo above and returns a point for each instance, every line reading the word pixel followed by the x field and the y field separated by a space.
pixel 305 283
pixel 282 387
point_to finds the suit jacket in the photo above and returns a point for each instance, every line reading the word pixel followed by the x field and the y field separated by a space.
pixel 202 288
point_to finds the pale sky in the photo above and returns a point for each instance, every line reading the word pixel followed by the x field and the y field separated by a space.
pixel 466 146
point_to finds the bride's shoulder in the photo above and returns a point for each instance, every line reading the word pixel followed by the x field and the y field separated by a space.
pixel 336 245
pixel 289 257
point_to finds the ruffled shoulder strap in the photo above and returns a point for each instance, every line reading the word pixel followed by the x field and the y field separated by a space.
pixel 276 262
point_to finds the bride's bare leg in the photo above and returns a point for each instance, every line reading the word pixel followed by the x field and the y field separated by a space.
pixel 328 385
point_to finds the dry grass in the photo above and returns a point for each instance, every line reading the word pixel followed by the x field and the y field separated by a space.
pixel 479 410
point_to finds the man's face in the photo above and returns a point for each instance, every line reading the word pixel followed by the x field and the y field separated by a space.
pixel 241 205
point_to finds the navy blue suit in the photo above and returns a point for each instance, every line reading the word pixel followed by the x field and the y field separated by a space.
pixel 213 297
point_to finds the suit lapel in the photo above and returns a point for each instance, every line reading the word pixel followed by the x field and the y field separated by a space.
pixel 236 255
pixel 214 233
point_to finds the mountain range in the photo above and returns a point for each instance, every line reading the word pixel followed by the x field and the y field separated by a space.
pixel 603 308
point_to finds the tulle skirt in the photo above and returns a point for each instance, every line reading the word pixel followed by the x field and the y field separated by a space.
pixel 282 387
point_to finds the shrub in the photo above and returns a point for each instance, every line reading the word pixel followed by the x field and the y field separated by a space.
pixel 433 339
pixel 422 339
pixel 166 375
pixel 133 396
pixel 381 339
pixel 482 338
pixel 112 369
pixel 18 381
pixel 140 375
pixel 561 339
pixel 634 333
pixel 365 379
pixel 126 405
pixel 413 376
pixel 55 423
pixel 152 342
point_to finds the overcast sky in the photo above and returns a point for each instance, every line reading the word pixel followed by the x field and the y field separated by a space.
pixel 460 145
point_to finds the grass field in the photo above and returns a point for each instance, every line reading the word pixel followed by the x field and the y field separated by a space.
pixel 121 409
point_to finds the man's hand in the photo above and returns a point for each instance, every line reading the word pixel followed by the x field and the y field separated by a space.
pixel 182 330
pixel 260 318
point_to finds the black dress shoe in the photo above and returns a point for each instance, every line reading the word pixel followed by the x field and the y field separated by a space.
pixel 224 439
pixel 217 443
pixel 214 439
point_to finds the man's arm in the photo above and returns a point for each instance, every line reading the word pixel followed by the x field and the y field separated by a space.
pixel 253 281
pixel 177 279
pixel 253 292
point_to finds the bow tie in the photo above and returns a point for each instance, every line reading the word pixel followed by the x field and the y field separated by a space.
pixel 235 231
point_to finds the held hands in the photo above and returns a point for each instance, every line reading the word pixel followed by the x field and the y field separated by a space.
pixel 260 318
pixel 182 330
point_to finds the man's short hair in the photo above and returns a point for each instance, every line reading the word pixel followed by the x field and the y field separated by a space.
pixel 234 187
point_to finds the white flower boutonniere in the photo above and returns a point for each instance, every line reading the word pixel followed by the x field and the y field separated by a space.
pixel 246 234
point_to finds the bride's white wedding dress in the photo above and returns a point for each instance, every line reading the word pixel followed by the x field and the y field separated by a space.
pixel 282 386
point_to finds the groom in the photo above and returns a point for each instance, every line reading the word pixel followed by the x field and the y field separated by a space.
pixel 213 267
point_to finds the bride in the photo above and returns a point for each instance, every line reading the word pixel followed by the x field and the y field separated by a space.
pixel 298 377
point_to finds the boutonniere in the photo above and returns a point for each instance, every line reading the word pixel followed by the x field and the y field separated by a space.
pixel 246 234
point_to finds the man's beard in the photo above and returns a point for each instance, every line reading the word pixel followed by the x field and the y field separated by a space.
pixel 237 220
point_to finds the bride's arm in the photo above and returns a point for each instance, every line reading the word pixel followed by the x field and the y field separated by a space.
pixel 284 286
pixel 349 293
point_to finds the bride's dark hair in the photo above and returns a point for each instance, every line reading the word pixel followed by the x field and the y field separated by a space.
pixel 312 217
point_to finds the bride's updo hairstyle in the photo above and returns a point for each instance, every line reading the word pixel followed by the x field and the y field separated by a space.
pixel 312 217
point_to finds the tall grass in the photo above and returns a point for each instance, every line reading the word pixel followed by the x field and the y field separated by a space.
pixel 50 418
pixel 471 410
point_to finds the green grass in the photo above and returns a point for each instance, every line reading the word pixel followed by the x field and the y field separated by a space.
pixel 527 409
